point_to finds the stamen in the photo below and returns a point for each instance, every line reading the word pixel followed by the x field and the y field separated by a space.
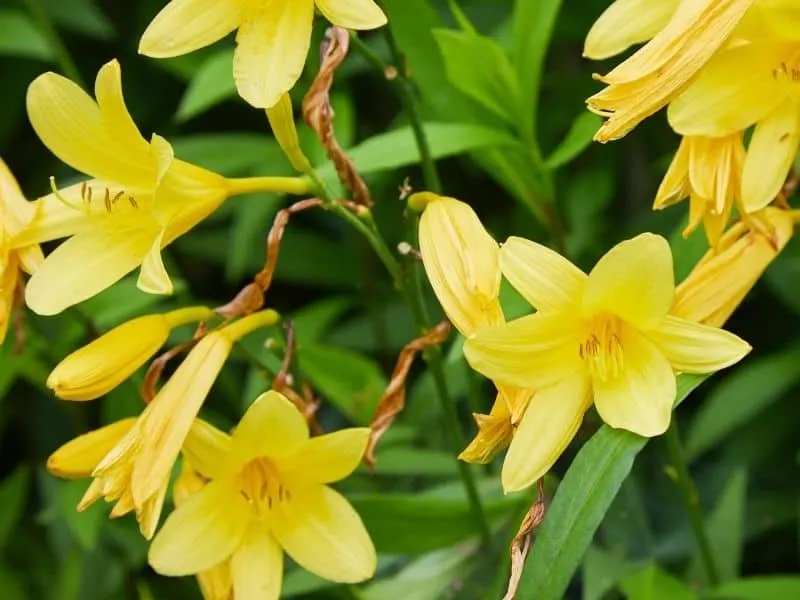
pixel 61 198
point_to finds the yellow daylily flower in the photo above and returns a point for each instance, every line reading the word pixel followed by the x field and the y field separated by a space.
pixel 605 338
pixel 723 277
pixel 140 200
pixel 135 472
pixel 658 72
pixel 747 85
pixel 101 365
pixel 708 171
pixel 626 23
pixel 272 39
pixel 267 495
pixel 15 214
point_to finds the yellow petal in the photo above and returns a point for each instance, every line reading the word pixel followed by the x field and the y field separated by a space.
pixel 153 277
pixel 544 278
pixel 641 398
pixel 271 49
pixel 462 263
pixel 281 119
pixel 494 434
pixel 78 458
pixel 675 185
pixel 352 14
pixel 548 426
pixel 734 91
pixel 516 400
pixel 257 566
pixel 634 281
pixel 534 351
pixel 694 348
pixel 328 458
pixel 85 265
pixel 625 23
pixel 53 219
pixel 202 532
pixel 324 534
pixel 17 211
pixel 183 26
pixel 770 155
pixel 117 121
pixel 272 412
pixel 207 449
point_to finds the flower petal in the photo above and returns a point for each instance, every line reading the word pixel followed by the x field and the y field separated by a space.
pixel 272 427
pixel 694 348
pixel 533 351
pixel 324 534
pixel 553 416
pixel 78 457
pixel 625 23
pixel 352 14
pixel 153 277
pixel 272 45
pixel 85 265
pixel 675 185
pixel 257 566
pixel 207 449
pixel 53 219
pixel 17 211
pixel 117 121
pixel 183 26
pixel 544 278
pixel 330 457
pixel 634 281
pixel 771 153
pixel 202 532
pixel 641 398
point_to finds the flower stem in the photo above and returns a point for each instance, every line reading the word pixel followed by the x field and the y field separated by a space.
pixel 284 185
pixel 64 58
pixel 691 500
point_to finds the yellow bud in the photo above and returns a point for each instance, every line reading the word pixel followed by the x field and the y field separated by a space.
pixel 420 200
pixel 78 457
pixel 100 366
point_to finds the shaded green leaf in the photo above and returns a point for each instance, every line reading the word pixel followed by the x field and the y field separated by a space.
pixel 777 587
pixel 652 583
pixel 603 570
pixel 20 37
pixel 211 84
pixel 13 491
pixel 577 139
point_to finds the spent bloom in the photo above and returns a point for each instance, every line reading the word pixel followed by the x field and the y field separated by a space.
pixel 606 338
pixel 139 200
pixel 135 470
pixel 267 494
pixel 272 38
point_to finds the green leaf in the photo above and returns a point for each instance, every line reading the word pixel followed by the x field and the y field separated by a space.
pixel 411 461
pixel 581 501
pixel 211 84
pixel 652 583
pixel 479 67
pixel 578 137
pixel 299 581
pixel 12 584
pixel 20 37
pixel 13 491
pixel 80 16
pixel 234 154
pixel 777 587
pixel 742 395
pixel 602 570
pixel 312 321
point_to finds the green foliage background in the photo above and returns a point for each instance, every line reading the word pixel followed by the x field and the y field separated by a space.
pixel 479 98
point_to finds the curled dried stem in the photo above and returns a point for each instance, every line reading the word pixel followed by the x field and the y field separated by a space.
pixel 283 382
pixel 521 544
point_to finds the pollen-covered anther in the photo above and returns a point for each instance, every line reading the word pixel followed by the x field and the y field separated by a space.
pixel 110 199
pixel 261 486
pixel 602 350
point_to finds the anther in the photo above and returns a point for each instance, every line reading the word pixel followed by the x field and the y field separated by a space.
pixel 107 200
pixel 132 200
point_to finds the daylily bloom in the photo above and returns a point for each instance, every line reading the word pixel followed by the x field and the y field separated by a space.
pixel 272 40
pixel 268 494
pixel 101 365
pixel 606 338
pixel 135 472
pixel 15 214
pixel 659 71
pixel 140 200
pixel 752 84
pixel 707 170
pixel 626 23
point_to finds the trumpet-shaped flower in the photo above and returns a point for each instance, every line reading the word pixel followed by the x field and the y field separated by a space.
pixel 272 40
pixel 659 71
pixel 135 472
pixel 752 84
pixel 101 365
pixel 15 214
pixel 141 198
pixel 268 494
pixel 606 338
pixel 708 171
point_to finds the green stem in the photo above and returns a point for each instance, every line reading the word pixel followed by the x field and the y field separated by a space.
pixel 68 66
pixel 691 499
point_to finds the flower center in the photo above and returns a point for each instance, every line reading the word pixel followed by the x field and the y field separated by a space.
pixel 602 349
pixel 261 486
pixel 97 200
pixel 789 70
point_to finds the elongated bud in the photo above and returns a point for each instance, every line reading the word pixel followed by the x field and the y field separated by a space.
pixel 100 366
pixel 281 119
pixel 722 278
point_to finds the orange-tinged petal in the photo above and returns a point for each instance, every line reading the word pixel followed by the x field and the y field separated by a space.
pixel 625 23
pixel 530 352
pixel 204 531
pixel 550 422
pixel 257 566
pixel 352 14
pixel 324 534
pixel 183 26
pixel 770 155
pixel 328 458
pixel 272 412
pixel 78 457
pixel 694 348
pixel 634 281
pixel 640 399
pixel 544 278
pixel 271 48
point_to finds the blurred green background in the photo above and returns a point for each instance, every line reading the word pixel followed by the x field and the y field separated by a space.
pixel 740 430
